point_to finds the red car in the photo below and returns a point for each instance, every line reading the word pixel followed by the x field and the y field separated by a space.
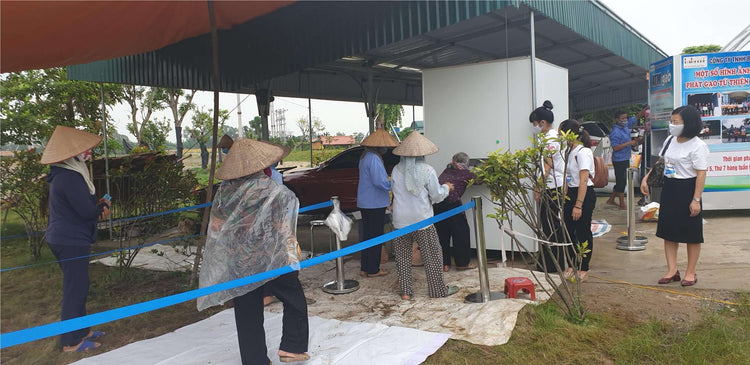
pixel 338 176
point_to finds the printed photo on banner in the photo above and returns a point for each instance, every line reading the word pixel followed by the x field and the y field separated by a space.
pixel 711 132
pixel 735 102
pixel 735 130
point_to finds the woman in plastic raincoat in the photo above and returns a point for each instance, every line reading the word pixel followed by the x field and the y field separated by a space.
pixel 253 230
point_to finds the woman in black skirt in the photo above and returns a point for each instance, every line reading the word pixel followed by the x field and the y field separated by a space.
pixel 680 218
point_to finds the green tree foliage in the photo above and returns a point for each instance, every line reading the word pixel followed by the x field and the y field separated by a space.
pixel 180 104
pixel 202 130
pixel 607 116
pixel 143 102
pixel 33 102
pixel 154 135
pixel 706 48
pixel 25 190
pixel 317 128
pixel 511 177
pixel 392 115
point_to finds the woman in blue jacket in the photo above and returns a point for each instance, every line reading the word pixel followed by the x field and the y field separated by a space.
pixel 73 213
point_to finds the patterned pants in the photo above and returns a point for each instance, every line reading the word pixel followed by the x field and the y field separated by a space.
pixel 432 257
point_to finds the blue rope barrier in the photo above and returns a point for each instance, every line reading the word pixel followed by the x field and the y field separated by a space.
pixel 56 328
pixel 204 205
pixel 301 210
pixel 316 206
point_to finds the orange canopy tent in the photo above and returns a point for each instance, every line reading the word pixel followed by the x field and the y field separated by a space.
pixel 43 34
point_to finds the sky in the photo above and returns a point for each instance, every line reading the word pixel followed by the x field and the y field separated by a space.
pixel 670 24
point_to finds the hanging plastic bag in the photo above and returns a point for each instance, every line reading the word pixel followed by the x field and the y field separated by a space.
pixel 649 212
pixel 338 222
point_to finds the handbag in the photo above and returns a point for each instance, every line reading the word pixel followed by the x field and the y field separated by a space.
pixel 656 176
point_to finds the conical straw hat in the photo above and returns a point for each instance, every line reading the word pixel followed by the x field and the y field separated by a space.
pixel 67 142
pixel 225 142
pixel 379 138
pixel 415 145
pixel 248 156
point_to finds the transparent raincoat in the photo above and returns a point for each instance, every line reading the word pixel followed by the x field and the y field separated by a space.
pixel 253 229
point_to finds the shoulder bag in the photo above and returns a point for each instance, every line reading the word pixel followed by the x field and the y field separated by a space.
pixel 656 177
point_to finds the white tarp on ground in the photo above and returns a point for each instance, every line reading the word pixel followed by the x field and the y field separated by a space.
pixel 378 301
pixel 214 341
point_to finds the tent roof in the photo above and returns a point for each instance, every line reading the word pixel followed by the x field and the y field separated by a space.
pixel 326 50
pixel 43 34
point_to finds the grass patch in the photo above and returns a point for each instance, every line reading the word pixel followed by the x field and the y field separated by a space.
pixel 543 336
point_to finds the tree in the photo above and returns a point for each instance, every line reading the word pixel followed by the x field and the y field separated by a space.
pixel 33 102
pixel 511 176
pixel 179 110
pixel 154 135
pixel 146 101
pixel 304 126
pixel 706 48
pixel 392 115
pixel 202 130
pixel 358 137
pixel 25 189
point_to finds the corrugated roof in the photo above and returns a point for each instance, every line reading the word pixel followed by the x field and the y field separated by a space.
pixel 326 50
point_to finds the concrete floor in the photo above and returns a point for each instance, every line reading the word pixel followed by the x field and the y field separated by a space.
pixel 724 262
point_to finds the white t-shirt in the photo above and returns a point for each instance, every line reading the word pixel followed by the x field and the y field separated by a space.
pixel 683 160
pixel 556 177
pixel 581 158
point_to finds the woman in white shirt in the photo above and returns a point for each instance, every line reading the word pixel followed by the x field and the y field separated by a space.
pixel 549 199
pixel 680 212
pixel 415 188
pixel 581 196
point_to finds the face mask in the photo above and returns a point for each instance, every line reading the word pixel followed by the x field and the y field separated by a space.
pixel 536 129
pixel 225 150
pixel 676 130
pixel 85 155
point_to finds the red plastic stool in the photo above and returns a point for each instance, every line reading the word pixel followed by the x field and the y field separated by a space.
pixel 514 284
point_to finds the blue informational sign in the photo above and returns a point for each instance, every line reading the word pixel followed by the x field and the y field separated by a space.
pixel 661 85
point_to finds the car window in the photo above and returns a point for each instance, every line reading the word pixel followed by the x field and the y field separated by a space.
pixel 346 160
pixel 593 130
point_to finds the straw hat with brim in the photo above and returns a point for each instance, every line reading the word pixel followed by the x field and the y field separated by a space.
pixel 225 142
pixel 415 145
pixel 248 156
pixel 379 138
pixel 67 142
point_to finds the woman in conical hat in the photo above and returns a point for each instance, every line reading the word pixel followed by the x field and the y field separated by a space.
pixel 253 230
pixel 373 198
pixel 73 213
pixel 415 189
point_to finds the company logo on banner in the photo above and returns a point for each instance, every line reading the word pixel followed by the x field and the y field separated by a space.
pixel 694 61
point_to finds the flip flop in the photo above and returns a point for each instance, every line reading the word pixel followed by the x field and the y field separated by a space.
pixel 294 357
pixel 95 335
pixel 450 290
pixel 84 346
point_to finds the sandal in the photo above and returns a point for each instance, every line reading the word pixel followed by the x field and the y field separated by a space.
pixel 93 335
pixel 294 357
pixel 450 290
pixel 83 346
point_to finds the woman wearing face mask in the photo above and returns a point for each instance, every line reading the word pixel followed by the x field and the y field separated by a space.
pixel 680 213
pixel 373 198
pixel 73 213
pixel 579 206
pixel 550 198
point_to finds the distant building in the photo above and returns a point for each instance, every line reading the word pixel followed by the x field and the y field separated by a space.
pixel 333 141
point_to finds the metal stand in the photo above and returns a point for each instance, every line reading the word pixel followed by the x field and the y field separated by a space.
pixel 340 285
pixel 631 242
pixel 484 295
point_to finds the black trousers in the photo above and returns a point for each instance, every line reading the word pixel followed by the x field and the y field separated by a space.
pixel 75 288
pixel 373 221
pixel 580 230
pixel 549 214
pixel 248 316
pixel 621 175
pixel 457 228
